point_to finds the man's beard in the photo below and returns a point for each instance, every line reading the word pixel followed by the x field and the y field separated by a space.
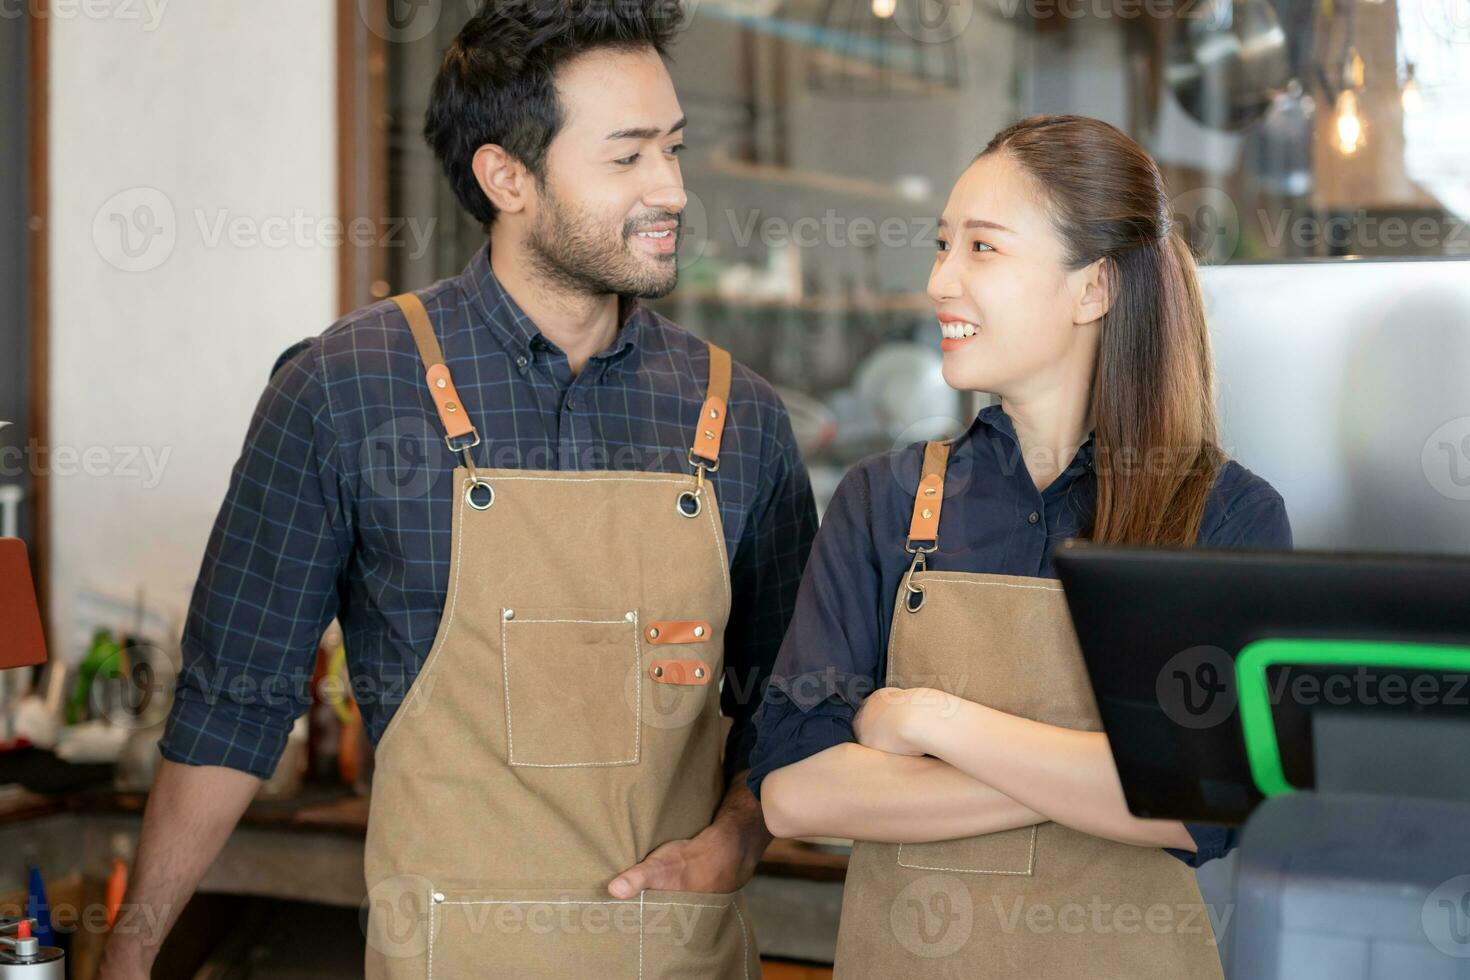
pixel 570 248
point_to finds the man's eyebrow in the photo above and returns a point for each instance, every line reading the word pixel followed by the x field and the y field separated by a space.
pixel 982 223
pixel 647 132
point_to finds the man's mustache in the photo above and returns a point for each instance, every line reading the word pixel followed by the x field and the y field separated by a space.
pixel 646 221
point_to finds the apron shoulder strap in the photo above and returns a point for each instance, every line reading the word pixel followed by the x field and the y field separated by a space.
pixel 712 414
pixel 930 495
pixel 452 415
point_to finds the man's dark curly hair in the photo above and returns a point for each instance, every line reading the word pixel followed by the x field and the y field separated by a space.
pixel 496 83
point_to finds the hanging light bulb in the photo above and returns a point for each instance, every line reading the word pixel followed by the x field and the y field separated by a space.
pixel 1348 128
pixel 1409 95
pixel 883 9
pixel 1353 69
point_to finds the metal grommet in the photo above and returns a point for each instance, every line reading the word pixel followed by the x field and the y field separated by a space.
pixel 658 672
pixel 438 897
pixel 714 413
pixel 699 672
pixel 915 592
pixel 653 633
pixel 630 615
pixel 469 493
pixel 508 615
pixel 699 631
pixel 692 498
pixel 441 383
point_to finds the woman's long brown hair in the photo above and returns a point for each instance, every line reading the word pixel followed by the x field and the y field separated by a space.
pixel 1155 448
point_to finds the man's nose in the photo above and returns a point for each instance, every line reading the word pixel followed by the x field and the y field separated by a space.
pixel 670 197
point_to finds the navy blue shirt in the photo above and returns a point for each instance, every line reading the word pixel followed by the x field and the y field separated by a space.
pixel 341 504
pixel 995 521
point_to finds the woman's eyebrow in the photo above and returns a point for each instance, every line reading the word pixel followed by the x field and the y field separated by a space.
pixel 981 223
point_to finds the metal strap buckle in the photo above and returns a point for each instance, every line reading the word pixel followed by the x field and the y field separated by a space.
pixel 449 441
pixel 704 464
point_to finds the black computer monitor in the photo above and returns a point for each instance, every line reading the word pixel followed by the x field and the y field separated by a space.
pixel 1161 630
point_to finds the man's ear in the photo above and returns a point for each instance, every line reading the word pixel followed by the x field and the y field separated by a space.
pixel 1096 295
pixel 505 180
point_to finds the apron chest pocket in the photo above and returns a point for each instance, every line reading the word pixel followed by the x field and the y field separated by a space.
pixel 1006 852
pixel 573 695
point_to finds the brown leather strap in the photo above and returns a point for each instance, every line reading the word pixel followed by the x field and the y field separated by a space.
pixel 691 631
pixel 452 415
pixel 680 671
pixel 930 495
pixel 716 404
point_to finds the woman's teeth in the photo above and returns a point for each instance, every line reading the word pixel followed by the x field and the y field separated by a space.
pixel 958 331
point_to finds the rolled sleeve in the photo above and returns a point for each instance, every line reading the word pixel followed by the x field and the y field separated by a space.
pixel 1210 842
pixel 829 660
pixel 269 582
pixel 764 578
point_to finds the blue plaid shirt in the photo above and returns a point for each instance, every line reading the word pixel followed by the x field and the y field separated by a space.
pixel 341 503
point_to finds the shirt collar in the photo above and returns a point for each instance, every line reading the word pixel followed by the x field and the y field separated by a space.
pixel 496 307
pixel 994 419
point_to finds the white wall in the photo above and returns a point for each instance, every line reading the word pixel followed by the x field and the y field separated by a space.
pixel 1347 385
pixel 195 110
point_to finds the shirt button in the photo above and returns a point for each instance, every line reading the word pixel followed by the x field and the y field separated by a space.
pixel 521 362
pixel 1033 518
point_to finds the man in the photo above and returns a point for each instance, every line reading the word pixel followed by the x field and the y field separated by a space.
pixel 595 560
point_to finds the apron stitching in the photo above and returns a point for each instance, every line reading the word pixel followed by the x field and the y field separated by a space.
pixel 993 585
pixel 1030 862
pixel 582 622
pixel 744 938
pixel 578 901
pixel 510 744
pixel 431 933
pixel 640 936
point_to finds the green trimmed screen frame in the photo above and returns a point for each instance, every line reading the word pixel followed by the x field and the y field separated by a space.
pixel 1254 659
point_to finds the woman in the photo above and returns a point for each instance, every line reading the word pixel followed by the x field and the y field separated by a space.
pixel 994 836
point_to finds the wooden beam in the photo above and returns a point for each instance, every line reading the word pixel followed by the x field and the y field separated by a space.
pixel 38 128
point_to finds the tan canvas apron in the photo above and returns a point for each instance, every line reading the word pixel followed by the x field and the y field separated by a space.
pixel 565 723
pixel 1039 903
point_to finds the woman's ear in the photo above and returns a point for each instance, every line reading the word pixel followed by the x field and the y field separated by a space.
pixel 1094 296
pixel 504 179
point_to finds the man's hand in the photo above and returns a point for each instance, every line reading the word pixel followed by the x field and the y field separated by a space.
pixel 720 858
pixel 190 814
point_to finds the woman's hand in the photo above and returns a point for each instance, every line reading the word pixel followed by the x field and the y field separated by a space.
pixel 898 720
